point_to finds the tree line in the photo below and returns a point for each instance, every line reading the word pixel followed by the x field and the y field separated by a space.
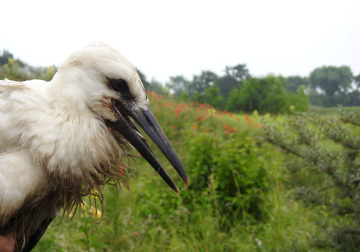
pixel 236 90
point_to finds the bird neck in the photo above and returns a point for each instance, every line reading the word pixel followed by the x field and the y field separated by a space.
pixel 68 97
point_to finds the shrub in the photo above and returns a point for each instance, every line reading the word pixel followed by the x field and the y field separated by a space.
pixel 324 165
pixel 229 172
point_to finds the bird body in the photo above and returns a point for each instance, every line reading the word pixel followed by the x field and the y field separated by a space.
pixel 55 142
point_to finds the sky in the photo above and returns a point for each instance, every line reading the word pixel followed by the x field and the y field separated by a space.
pixel 169 38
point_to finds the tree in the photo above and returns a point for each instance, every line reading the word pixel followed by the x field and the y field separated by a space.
pixel 299 101
pixel 293 82
pixel 199 97
pixel 331 79
pixel 247 98
pixel 178 84
pixel 233 78
pixel 357 80
pixel 267 95
pixel 156 86
pixel 238 72
pixel 202 81
pixel 213 96
pixel 6 55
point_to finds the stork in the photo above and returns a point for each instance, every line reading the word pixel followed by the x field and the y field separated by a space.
pixel 62 140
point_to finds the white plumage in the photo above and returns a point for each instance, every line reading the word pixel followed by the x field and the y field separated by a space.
pixel 55 140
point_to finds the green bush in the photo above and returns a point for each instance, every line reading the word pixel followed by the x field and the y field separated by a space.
pixel 324 158
pixel 230 171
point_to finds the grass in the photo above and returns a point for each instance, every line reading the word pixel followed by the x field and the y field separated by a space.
pixel 331 110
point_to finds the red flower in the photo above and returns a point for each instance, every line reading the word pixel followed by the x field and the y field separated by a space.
pixel 248 120
pixel 165 104
pixel 174 127
pixel 195 126
pixel 192 104
pixel 226 127
pixel 199 119
pixel 148 92
pixel 176 114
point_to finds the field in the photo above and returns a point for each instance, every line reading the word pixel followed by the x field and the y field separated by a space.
pixel 330 111
pixel 238 198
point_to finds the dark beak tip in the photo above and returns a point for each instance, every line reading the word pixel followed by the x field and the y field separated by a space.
pixel 186 182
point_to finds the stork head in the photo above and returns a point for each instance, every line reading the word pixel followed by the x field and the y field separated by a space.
pixel 108 85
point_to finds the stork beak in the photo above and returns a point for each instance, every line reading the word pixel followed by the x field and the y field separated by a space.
pixel 148 123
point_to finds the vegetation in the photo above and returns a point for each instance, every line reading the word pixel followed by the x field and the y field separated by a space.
pixel 325 151
pixel 257 182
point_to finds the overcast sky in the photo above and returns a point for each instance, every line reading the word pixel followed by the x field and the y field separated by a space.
pixel 168 38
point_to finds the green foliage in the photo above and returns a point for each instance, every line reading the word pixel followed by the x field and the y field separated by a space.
pixel 331 79
pixel 185 96
pixel 153 218
pixel 334 84
pixel 213 96
pixel 267 95
pixel 241 197
pixel 202 81
pixel 324 163
pixel 232 170
pixel 157 87
pixel 198 97
pixel 16 70
pixel 300 100
pixel 331 110
pixel 294 82
pixel 6 55
pixel 357 81
pixel 178 84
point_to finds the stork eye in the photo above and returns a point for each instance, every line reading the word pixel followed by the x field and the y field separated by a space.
pixel 119 85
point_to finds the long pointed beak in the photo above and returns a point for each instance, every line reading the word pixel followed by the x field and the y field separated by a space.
pixel 147 121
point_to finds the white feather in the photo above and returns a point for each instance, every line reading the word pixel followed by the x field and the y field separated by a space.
pixel 58 127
